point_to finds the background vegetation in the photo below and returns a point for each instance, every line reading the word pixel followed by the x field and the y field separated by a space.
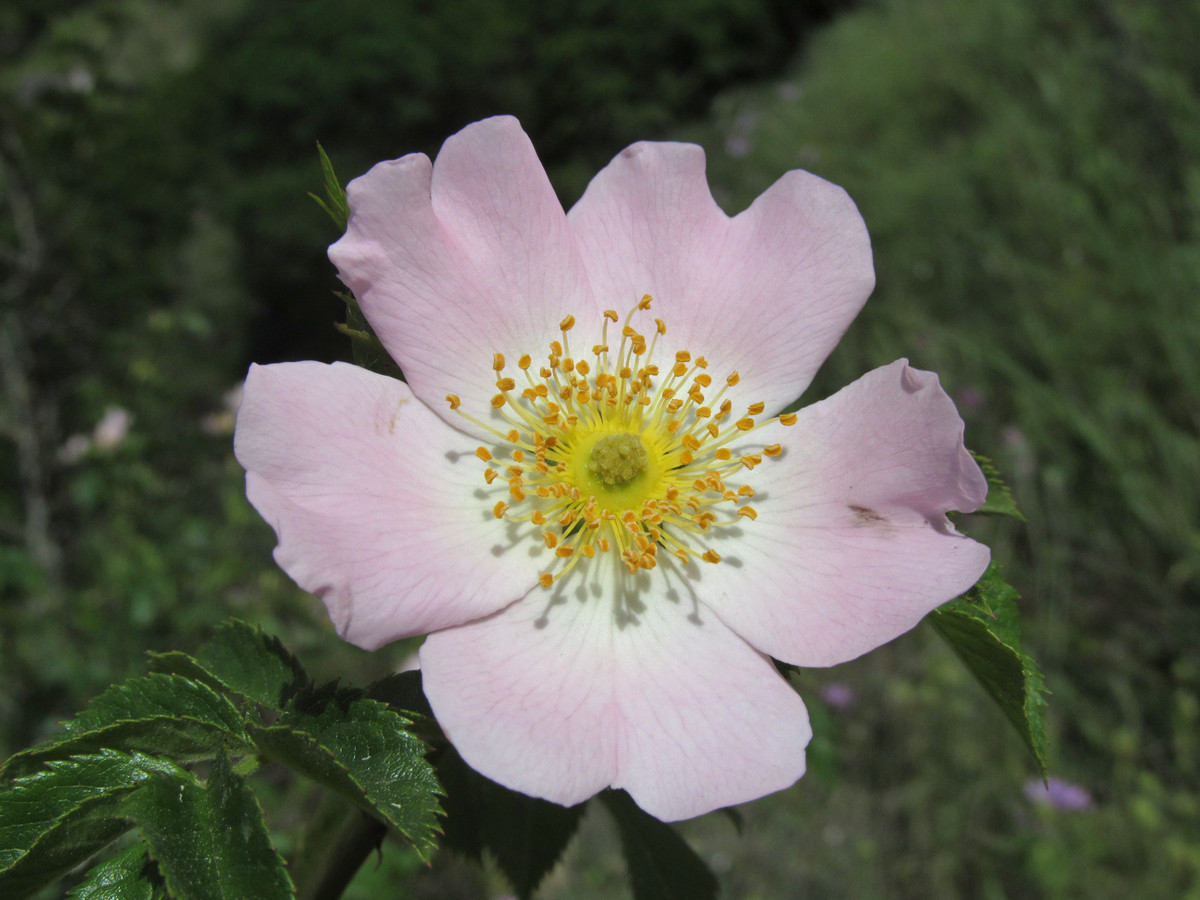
pixel 1030 174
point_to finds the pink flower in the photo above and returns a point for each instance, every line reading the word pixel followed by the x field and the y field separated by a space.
pixel 591 511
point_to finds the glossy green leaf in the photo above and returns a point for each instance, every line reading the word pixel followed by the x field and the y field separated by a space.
pixel 982 628
pixel 524 835
pixel 57 818
pixel 167 715
pixel 209 839
pixel 1000 500
pixel 32 808
pixel 364 751
pixel 242 659
pixel 130 875
pixel 661 864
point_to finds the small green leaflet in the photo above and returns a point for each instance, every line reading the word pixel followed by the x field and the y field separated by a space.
pixel 129 875
pixel 369 352
pixel 982 628
pixel 661 864
pixel 242 659
pixel 54 820
pixel 164 715
pixel 1000 500
pixel 190 827
pixel 335 205
pixel 364 751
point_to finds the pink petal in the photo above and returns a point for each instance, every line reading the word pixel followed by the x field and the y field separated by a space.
pixel 559 701
pixel 456 261
pixel 851 546
pixel 772 289
pixel 375 501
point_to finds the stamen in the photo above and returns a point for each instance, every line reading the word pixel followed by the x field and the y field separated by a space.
pixel 609 456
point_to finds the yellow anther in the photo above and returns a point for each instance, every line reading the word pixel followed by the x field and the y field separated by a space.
pixel 787 419
pixel 577 402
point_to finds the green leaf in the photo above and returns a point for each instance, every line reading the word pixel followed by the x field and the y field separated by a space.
pixel 167 715
pixel 661 864
pixel 129 875
pixel 35 804
pixel 55 819
pixel 242 659
pixel 209 840
pixel 1000 500
pixel 335 204
pixel 526 836
pixel 982 628
pixel 362 750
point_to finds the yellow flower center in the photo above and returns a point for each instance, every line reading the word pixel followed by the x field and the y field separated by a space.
pixel 612 454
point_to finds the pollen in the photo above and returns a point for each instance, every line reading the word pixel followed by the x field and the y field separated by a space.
pixel 614 456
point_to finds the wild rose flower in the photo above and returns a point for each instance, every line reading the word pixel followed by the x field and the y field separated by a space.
pixel 583 495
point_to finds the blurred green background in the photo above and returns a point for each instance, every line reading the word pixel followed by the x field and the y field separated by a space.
pixel 1030 174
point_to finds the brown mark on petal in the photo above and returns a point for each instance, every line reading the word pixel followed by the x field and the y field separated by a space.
pixel 864 516
pixel 396 415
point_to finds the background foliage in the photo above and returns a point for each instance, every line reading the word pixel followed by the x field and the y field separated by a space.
pixel 1030 176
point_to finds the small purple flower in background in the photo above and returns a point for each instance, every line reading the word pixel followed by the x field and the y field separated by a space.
pixel 1058 794
pixel 603 521
pixel 837 695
